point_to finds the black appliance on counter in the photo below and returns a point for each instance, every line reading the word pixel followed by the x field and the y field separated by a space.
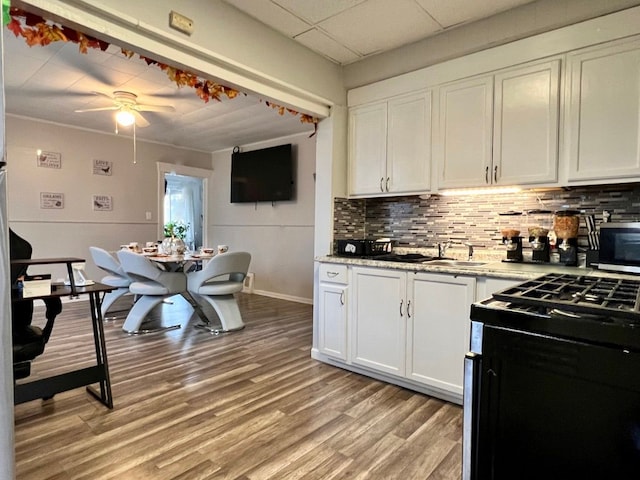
pixel 362 248
pixel 620 247
pixel 552 381
pixel 540 251
pixel 514 248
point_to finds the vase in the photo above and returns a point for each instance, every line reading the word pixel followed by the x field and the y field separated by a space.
pixel 178 247
pixel 173 246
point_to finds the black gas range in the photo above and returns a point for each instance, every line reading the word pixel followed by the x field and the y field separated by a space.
pixel 604 310
pixel 552 381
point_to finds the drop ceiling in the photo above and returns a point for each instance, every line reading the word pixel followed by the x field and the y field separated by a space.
pixel 50 83
pixel 346 31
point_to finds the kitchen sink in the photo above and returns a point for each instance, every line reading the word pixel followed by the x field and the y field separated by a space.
pixel 455 263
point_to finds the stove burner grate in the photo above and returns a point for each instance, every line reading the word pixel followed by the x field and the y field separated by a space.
pixel 601 296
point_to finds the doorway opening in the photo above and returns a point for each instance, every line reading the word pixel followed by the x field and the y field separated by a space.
pixel 182 197
pixel 183 204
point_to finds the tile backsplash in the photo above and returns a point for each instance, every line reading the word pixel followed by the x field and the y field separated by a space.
pixel 412 221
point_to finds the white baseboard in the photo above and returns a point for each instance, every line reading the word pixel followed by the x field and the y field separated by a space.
pixel 282 296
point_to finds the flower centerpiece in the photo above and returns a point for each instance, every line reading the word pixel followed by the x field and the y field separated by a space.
pixel 174 233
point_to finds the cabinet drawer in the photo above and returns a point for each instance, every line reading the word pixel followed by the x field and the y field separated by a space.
pixel 330 272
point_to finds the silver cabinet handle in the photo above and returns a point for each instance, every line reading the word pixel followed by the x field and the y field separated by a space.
pixel 495 174
pixel 408 308
pixel 486 175
pixel 401 302
pixel 332 274
pixel 381 181
pixel 387 184
pixel 342 298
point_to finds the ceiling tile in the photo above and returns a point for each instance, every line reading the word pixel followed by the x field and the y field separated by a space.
pixel 56 77
pixel 321 43
pixel 272 15
pixel 70 54
pixel 21 71
pixel 453 12
pixel 383 25
pixel 316 11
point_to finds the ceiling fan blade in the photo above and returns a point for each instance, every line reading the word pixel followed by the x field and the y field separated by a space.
pixel 154 108
pixel 140 120
pixel 95 92
pixel 98 109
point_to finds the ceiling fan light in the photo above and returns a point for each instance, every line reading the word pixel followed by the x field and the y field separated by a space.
pixel 125 118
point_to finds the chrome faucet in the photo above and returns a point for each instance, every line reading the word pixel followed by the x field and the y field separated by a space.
pixel 468 245
pixel 442 248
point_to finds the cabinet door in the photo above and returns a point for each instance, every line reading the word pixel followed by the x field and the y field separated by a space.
pixel 603 119
pixel 368 149
pixel 465 133
pixel 438 329
pixel 487 286
pixel 525 143
pixel 409 144
pixel 378 320
pixel 332 322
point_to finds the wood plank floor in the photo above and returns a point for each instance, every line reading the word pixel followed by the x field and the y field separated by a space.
pixel 248 405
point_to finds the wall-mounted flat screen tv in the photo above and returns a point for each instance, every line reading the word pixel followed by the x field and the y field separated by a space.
pixel 264 175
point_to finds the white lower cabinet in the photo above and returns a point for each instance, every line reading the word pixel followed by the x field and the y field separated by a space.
pixel 378 322
pixel 486 286
pixel 438 329
pixel 332 310
pixel 412 325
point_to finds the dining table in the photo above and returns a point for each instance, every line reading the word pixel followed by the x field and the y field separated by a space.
pixel 177 263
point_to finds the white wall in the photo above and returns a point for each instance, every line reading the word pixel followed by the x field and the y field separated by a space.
pixel 70 231
pixel 279 236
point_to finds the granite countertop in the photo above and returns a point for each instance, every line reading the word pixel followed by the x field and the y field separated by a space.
pixel 492 268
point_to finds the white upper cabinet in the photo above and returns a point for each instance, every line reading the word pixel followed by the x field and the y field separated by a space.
pixel 367 149
pixel 603 113
pixel 466 129
pixel 525 141
pixel 500 129
pixel 390 147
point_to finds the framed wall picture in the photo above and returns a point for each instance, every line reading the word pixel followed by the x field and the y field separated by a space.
pixel 102 167
pixel 49 159
pixel 102 203
pixel 51 200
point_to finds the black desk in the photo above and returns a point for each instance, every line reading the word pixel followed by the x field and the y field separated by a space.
pixel 99 373
pixel 51 261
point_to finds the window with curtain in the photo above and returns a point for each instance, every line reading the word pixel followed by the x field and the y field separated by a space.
pixel 183 203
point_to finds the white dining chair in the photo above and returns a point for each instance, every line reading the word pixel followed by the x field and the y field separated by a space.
pixel 152 285
pixel 216 283
pixel 116 277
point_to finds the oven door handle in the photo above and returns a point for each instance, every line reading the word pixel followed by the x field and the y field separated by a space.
pixel 470 416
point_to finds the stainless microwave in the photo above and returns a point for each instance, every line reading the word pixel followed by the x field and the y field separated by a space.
pixel 620 247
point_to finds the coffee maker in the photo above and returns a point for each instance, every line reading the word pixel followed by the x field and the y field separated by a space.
pixel 566 224
pixel 512 240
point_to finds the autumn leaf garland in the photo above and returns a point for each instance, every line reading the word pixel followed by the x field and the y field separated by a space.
pixel 37 31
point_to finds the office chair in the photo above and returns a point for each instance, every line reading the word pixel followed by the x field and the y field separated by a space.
pixel 28 340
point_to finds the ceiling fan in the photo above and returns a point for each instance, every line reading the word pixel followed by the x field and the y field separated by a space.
pixel 128 109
